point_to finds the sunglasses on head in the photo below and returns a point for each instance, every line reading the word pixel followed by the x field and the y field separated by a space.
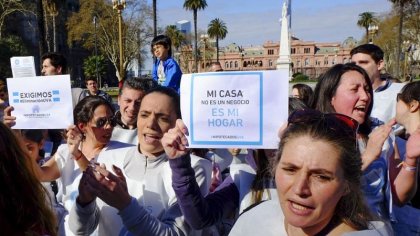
pixel 101 122
pixel 334 121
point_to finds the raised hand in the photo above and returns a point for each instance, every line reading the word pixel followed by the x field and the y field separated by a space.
pixel 376 140
pixel 175 142
pixel 74 137
pixel 8 119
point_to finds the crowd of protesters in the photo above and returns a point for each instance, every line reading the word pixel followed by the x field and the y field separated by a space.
pixel 346 164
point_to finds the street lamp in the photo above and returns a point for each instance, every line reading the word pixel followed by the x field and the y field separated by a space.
pixel 204 38
pixel 372 30
pixel 119 5
pixel 96 52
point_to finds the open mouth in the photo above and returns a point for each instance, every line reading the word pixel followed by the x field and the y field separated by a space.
pixel 300 209
pixel 151 138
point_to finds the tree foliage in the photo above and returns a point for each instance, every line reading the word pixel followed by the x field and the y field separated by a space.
pixel 388 40
pixel 10 46
pixel 399 5
pixel 90 63
pixel 365 20
pixel 136 29
pixel 217 29
pixel 9 7
pixel 176 36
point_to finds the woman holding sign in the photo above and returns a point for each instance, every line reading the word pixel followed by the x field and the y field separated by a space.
pixel 86 141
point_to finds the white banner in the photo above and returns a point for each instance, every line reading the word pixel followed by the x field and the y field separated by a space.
pixel 235 109
pixel 42 102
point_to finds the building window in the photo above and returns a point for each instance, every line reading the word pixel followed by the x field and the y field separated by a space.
pixel 226 64
pixel 270 63
pixel 333 61
pixel 231 64
pixel 293 51
pixel 298 63
pixel 270 51
pixel 236 64
pixel 307 62
pixel 326 61
pixel 307 50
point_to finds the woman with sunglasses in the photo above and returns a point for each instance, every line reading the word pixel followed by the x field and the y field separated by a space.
pixel 87 140
pixel 346 89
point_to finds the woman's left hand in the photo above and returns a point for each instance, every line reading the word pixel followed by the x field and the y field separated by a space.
pixel 112 189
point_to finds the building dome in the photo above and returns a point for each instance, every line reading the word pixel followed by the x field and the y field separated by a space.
pixel 350 42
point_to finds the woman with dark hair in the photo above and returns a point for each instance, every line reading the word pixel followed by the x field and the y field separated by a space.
pixel 87 140
pixel 317 173
pixel 303 92
pixel 23 206
pixel 346 89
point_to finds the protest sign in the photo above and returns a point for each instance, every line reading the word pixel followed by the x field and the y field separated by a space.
pixel 235 109
pixel 41 102
pixel 23 66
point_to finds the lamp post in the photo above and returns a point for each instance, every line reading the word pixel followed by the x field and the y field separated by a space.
pixel 204 38
pixel 372 29
pixel 119 5
pixel 96 53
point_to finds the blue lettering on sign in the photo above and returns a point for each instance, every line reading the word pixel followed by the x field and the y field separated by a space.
pixel 56 92
pixel 16 94
pixel 225 123
pixel 16 100
pixel 56 99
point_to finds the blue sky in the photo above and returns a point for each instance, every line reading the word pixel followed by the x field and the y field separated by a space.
pixel 254 22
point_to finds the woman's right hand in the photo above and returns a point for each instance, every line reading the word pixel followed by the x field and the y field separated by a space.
pixel 8 119
pixel 175 142
pixel 375 143
pixel 74 137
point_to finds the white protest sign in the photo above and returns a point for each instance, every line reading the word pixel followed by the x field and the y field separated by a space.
pixel 42 102
pixel 235 109
pixel 23 66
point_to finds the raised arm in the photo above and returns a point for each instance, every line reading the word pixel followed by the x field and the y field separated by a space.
pixel 198 211
pixel 404 174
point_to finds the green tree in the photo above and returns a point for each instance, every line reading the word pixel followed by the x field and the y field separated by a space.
pixel 217 29
pixel 399 4
pixel 10 46
pixel 136 30
pixel 366 19
pixel 91 63
pixel 194 6
pixel 175 35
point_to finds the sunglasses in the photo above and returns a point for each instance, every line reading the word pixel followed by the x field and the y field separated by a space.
pixel 334 121
pixel 101 122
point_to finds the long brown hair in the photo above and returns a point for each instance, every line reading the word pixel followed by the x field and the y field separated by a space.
pixel 23 203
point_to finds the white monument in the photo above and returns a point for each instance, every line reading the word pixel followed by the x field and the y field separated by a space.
pixel 284 61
